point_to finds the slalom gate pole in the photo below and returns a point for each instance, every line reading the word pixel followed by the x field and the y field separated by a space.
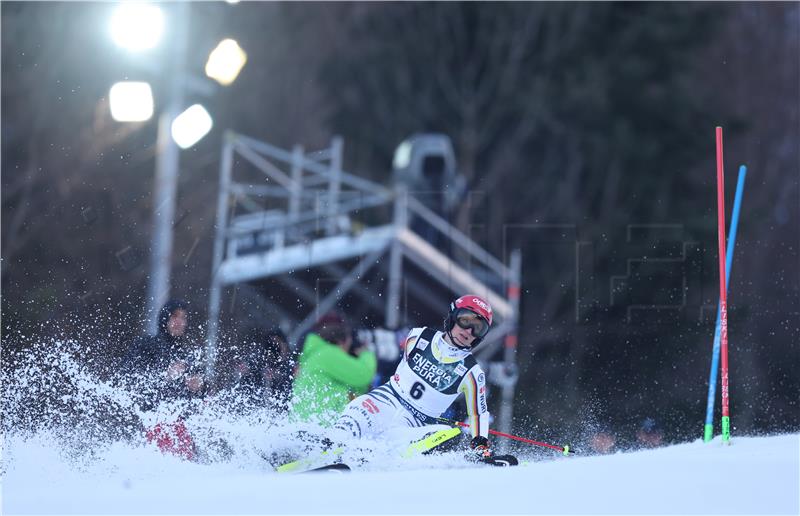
pixel 708 431
pixel 723 299
pixel 563 449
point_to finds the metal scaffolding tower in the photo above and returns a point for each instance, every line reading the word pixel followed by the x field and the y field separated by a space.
pixel 295 217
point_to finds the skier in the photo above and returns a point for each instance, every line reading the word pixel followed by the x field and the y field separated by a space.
pixel 436 366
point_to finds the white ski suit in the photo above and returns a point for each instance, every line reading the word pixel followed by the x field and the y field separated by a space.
pixel 428 379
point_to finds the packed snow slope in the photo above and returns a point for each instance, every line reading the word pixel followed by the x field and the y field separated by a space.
pixel 753 475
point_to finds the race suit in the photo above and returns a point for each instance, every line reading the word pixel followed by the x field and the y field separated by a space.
pixel 430 376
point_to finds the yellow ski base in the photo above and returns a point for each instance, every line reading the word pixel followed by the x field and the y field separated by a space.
pixel 308 463
pixel 432 441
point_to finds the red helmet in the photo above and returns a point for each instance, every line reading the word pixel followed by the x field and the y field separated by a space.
pixel 470 304
pixel 474 303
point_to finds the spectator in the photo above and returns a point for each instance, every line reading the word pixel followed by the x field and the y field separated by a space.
pixel 603 440
pixel 166 367
pixel 330 373
pixel 168 358
pixel 265 375
pixel 649 434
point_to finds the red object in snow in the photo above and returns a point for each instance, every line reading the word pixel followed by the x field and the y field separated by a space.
pixel 172 438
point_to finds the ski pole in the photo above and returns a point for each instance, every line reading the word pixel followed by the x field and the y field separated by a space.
pixel 563 449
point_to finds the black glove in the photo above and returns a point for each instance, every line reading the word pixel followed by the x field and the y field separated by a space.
pixel 479 449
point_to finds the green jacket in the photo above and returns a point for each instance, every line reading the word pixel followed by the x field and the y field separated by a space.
pixel 325 378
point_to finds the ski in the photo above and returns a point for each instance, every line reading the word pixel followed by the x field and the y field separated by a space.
pixel 442 440
pixel 330 468
pixel 307 464
pixel 501 460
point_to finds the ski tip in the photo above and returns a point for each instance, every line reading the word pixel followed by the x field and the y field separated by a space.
pixel 300 467
pixel 331 468
pixel 291 467
pixel 502 460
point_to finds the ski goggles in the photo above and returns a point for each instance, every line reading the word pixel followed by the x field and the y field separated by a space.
pixel 469 320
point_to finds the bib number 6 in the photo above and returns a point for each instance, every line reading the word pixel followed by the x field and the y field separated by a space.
pixel 417 390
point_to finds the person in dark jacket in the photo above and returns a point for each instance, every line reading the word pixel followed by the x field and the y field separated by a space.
pixel 650 434
pixel 264 374
pixel 168 359
pixel 166 367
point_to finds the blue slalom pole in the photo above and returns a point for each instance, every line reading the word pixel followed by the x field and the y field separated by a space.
pixel 708 433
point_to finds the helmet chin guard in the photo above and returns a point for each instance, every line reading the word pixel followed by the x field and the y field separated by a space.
pixel 475 305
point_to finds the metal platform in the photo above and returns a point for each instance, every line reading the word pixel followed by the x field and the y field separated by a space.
pixel 283 215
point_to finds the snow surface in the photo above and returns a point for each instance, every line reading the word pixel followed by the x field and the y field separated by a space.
pixel 753 475
pixel 73 444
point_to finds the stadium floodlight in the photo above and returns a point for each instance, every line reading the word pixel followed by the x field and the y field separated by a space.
pixel 137 26
pixel 225 62
pixel 131 101
pixel 190 126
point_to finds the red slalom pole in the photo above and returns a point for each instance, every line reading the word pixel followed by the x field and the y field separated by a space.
pixel 563 449
pixel 723 293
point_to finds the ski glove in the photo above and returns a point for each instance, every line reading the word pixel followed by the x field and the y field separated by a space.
pixel 479 449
